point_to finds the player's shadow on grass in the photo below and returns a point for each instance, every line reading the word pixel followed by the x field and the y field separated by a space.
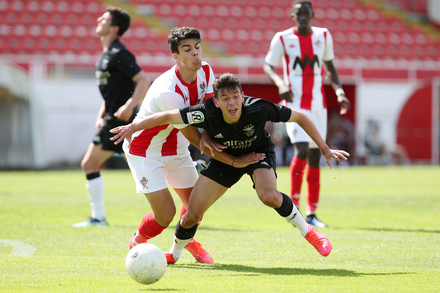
pixel 249 270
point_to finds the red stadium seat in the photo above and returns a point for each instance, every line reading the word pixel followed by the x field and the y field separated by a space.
pixel 234 26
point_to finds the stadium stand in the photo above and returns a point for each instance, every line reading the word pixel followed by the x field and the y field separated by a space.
pixel 63 31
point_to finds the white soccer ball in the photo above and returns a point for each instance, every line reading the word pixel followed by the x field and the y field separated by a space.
pixel 146 263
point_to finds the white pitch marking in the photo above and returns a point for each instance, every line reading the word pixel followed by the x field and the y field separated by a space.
pixel 21 248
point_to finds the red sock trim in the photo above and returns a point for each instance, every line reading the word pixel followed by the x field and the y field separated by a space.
pixel 312 177
pixel 149 228
pixel 297 166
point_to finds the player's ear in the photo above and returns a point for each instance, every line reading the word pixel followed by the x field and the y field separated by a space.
pixel 115 29
pixel 175 55
pixel 215 101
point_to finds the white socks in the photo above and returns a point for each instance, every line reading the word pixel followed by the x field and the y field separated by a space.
pixel 297 220
pixel 95 189
pixel 178 247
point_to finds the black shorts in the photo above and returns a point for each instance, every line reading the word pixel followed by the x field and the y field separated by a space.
pixel 226 175
pixel 103 135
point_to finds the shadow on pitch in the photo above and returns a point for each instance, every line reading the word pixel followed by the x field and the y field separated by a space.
pixel 249 270
pixel 390 230
pixel 400 230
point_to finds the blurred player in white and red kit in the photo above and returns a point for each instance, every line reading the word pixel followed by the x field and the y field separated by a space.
pixel 160 156
pixel 304 50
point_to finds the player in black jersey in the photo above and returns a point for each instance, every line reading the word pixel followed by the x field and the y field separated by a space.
pixel 123 85
pixel 237 122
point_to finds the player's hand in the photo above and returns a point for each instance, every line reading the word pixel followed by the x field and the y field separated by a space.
pixel 124 113
pixel 246 160
pixel 335 154
pixel 207 141
pixel 285 93
pixel 99 122
pixel 344 103
pixel 122 132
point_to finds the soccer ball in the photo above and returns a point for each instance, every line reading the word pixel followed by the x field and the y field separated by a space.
pixel 146 263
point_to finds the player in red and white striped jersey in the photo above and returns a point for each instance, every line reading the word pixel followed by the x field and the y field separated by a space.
pixel 305 50
pixel 159 157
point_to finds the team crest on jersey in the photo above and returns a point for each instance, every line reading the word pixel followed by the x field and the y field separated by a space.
pixel 202 87
pixel 318 44
pixel 249 129
pixel 195 117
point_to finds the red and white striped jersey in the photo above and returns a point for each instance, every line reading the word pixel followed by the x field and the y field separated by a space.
pixel 303 63
pixel 169 92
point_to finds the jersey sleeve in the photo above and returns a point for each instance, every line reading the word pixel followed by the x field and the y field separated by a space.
pixel 328 52
pixel 275 112
pixel 126 63
pixel 276 51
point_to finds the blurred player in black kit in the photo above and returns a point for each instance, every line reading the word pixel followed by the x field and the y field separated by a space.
pixel 123 85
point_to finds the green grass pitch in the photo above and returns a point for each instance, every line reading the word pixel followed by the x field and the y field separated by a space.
pixel 384 229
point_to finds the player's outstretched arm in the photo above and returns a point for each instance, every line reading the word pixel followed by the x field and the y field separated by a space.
pixel 126 131
pixel 311 130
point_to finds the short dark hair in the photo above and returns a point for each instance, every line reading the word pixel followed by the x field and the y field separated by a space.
pixel 226 81
pixel 302 2
pixel 178 34
pixel 120 18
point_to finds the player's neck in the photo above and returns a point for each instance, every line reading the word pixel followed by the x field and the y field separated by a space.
pixel 303 31
pixel 107 40
pixel 187 75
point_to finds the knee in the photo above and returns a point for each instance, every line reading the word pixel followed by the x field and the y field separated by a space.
pixel 301 150
pixel 164 219
pixel 84 164
pixel 314 158
pixel 87 166
pixel 271 198
pixel 90 165
pixel 189 219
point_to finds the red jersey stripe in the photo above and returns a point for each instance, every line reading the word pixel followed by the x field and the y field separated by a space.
pixel 179 91
pixel 207 73
pixel 207 96
pixel 192 89
pixel 287 58
pixel 141 143
pixel 169 147
pixel 305 43
pixel 324 103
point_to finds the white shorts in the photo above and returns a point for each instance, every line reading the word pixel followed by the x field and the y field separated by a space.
pixel 153 174
pixel 297 134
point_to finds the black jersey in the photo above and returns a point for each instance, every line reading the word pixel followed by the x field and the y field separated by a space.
pixel 115 70
pixel 248 134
